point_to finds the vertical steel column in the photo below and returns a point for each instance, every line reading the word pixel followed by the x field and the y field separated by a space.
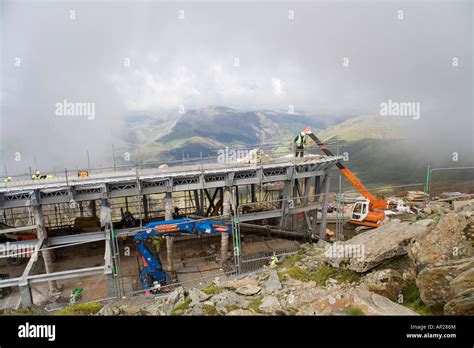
pixel 322 226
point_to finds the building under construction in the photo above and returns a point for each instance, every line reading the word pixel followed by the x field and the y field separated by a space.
pixel 89 218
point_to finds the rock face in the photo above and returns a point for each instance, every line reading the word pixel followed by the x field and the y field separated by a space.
pixel 461 304
pixel 373 304
pixel 369 249
pixel 447 241
pixel 435 281
pixel 386 282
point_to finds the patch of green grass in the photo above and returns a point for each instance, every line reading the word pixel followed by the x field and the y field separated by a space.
pixel 180 308
pixel 209 310
pixel 297 273
pixel 354 311
pixel 231 308
pixel 291 260
pixel 347 275
pixel 80 309
pixel 322 275
pixel 255 304
pixel 23 311
pixel 212 289
pixel 412 300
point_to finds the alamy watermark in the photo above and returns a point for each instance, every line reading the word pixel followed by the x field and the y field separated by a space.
pixel 345 251
pixel 67 108
pixel 404 109
pixel 16 250
pixel 230 155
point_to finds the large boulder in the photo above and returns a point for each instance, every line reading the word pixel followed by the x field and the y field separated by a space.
pixel 435 281
pixel 367 250
pixel 461 304
pixel 447 241
pixel 374 304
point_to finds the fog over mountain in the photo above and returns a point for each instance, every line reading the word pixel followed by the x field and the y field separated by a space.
pixel 149 61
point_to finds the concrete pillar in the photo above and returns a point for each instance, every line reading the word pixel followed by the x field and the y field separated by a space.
pixel 41 231
pixel 224 247
pixel 169 206
pixel 25 295
pixel 322 226
pixel 226 210
pixel 226 202
pixel 110 275
pixel 110 285
pixel 169 252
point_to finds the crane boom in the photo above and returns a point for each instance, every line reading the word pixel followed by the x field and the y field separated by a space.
pixel 152 270
pixel 375 203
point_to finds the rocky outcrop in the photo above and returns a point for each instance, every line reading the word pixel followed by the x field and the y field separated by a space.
pixel 435 281
pixel 447 241
pixel 367 250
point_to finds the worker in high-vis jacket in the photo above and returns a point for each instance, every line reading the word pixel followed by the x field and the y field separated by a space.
pixel 300 143
pixel 36 175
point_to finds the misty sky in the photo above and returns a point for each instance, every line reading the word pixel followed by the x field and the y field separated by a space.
pixel 191 61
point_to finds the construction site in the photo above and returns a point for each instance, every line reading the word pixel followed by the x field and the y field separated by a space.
pixel 143 232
